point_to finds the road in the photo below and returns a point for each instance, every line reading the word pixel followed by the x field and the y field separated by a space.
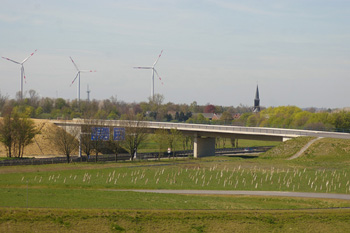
pixel 250 193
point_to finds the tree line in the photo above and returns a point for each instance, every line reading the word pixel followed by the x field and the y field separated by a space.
pixel 296 118
pixel 34 106
pixel 155 109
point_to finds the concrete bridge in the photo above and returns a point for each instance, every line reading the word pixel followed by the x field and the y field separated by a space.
pixel 204 135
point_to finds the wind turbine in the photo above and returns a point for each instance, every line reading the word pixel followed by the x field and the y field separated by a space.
pixel 78 76
pixel 23 75
pixel 153 71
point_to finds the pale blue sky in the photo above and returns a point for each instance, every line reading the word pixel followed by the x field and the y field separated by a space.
pixel 215 51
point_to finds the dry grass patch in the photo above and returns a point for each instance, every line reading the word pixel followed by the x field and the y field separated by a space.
pixel 42 147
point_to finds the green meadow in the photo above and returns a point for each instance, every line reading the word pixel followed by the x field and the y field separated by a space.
pixel 71 197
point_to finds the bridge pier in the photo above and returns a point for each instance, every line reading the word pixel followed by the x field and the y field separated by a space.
pixel 203 147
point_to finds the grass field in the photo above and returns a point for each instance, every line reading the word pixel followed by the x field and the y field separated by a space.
pixel 75 197
pixel 63 220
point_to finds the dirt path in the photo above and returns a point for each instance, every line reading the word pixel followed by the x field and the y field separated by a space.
pixel 252 193
pixel 299 153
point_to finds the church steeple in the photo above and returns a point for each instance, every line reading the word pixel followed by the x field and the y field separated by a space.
pixel 256 101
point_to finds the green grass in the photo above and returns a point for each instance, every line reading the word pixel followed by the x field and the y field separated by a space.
pixel 287 149
pixel 90 198
pixel 87 189
pixel 327 153
pixel 219 173
pixel 57 220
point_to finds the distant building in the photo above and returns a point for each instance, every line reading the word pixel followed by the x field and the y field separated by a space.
pixel 256 101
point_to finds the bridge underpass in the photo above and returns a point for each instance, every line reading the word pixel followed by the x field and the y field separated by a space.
pixel 204 135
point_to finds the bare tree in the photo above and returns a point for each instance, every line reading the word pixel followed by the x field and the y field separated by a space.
pixel 85 137
pixel 97 139
pixel 161 138
pixel 135 133
pixel 114 146
pixel 155 103
pixel 65 139
pixel 33 98
pixel 174 136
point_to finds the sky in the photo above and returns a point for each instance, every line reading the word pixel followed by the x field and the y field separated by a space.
pixel 214 51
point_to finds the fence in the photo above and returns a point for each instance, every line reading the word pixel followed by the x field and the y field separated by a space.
pixel 121 157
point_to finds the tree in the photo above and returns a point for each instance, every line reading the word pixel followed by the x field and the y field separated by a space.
pixel 64 139
pixel 174 136
pixel 6 137
pixel 115 146
pixel 209 108
pixel 46 104
pixel 135 133
pixel 281 117
pixel 161 138
pixel 341 120
pixel 226 117
pixel 60 103
pixel 3 100
pixel 33 98
pixel 24 131
pixel 234 142
pixel 16 133
pixel 85 137
pixel 300 119
pixel 98 141
pixel 187 143
pixel 194 107
pixel 155 103
pixel 252 121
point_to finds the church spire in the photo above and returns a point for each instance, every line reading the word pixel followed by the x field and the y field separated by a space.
pixel 256 101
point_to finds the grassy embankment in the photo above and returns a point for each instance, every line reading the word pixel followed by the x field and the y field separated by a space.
pixel 323 168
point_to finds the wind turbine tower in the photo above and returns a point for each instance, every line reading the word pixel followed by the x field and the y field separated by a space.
pixel 88 93
pixel 153 71
pixel 78 76
pixel 23 75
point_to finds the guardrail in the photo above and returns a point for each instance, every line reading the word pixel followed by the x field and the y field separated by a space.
pixel 121 157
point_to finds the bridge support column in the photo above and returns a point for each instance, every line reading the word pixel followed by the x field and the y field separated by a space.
pixel 203 147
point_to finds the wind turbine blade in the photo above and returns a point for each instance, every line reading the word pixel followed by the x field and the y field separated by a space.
pixel 144 67
pixel 29 56
pixel 86 71
pixel 158 76
pixel 158 58
pixel 74 64
pixel 74 78
pixel 11 60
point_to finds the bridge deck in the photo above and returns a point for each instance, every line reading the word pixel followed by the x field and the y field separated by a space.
pixel 258 133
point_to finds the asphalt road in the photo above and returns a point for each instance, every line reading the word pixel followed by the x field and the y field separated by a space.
pixel 250 193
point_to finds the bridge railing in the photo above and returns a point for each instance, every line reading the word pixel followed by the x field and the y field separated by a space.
pixel 221 128
pixel 233 129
